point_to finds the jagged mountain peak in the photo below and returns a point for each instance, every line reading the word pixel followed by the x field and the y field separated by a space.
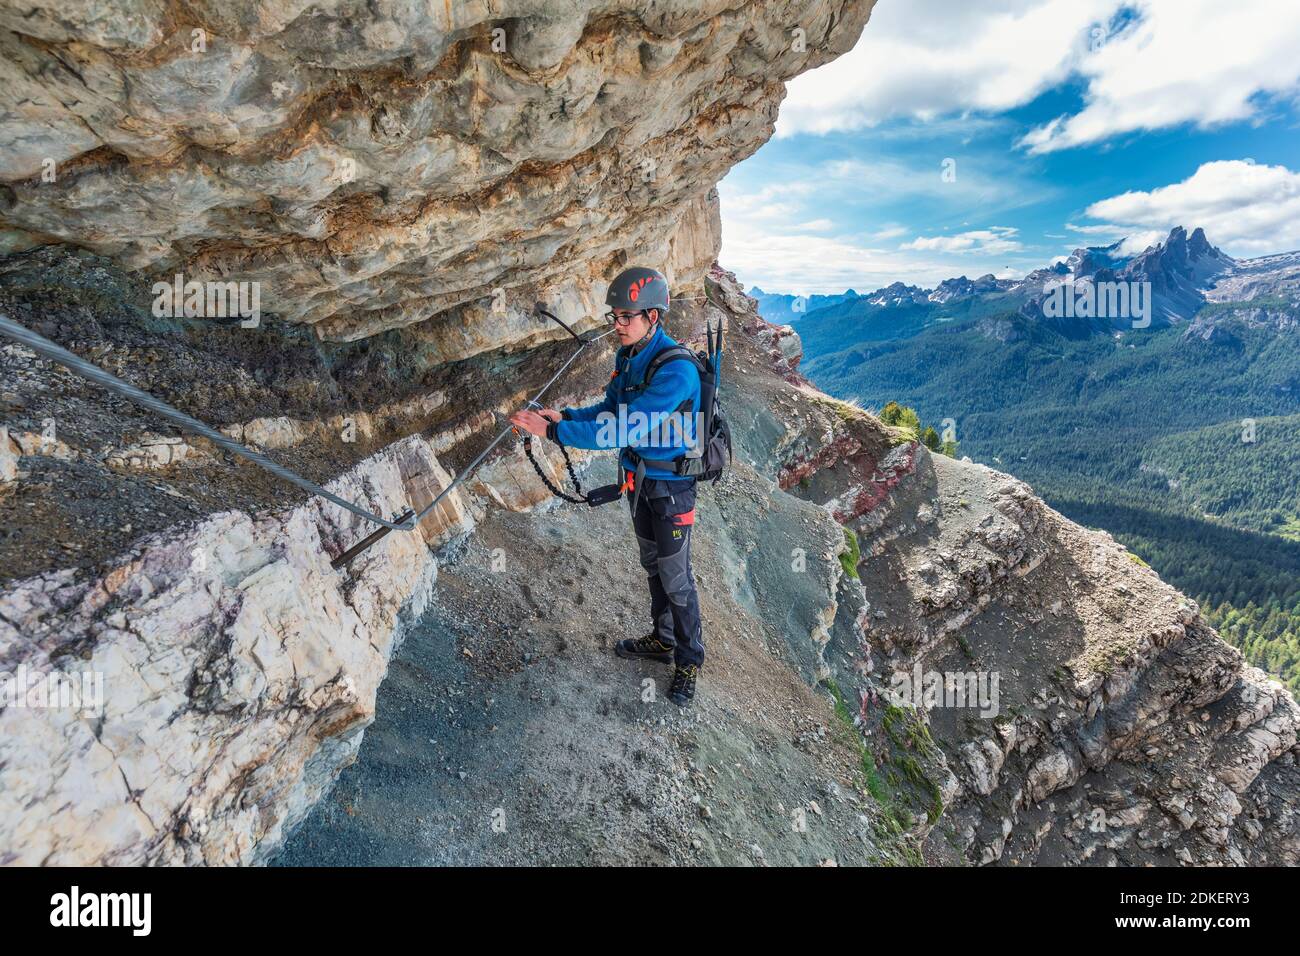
pixel 1184 272
pixel 1192 255
pixel 897 293
pixel 1087 260
pixel 962 287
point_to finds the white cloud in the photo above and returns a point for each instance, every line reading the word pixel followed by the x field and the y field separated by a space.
pixel 1245 208
pixel 1179 61
pixel 993 241
pixel 769 234
pixel 1103 229
pixel 931 58
pixel 814 225
pixel 804 264
pixel 1137 242
pixel 831 186
pixel 775 202
pixel 1183 61
pixel 1132 240
pixel 975 179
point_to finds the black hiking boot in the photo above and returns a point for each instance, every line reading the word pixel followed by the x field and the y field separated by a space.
pixel 682 691
pixel 644 648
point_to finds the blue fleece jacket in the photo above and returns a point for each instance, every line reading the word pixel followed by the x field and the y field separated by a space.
pixel 675 387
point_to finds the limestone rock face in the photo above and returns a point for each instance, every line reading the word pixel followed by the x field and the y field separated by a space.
pixel 376 165
pixel 414 175
pixel 8 458
pixel 229 673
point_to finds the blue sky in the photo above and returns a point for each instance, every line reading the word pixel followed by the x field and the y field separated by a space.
pixel 967 138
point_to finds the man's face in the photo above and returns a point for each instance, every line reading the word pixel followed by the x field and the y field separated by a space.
pixel 638 323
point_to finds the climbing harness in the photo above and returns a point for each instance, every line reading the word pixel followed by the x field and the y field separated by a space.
pixel 405 521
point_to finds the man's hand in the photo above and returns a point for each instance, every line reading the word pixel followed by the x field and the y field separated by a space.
pixel 550 414
pixel 531 421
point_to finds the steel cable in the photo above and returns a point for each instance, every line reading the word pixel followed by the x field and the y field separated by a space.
pixel 93 373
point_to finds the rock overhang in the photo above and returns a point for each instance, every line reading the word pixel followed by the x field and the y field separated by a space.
pixel 375 166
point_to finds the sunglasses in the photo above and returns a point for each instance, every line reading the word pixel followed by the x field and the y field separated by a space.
pixel 614 318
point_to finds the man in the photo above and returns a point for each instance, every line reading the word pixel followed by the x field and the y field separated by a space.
pixel 662 503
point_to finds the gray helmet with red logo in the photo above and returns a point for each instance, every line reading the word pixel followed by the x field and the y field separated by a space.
pixel 638 288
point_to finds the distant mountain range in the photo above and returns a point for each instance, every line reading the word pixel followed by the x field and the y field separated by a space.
pixel 1185 273
pixel 1176 429
pixel 784 308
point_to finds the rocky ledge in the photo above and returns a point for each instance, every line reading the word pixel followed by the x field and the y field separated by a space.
pixel 241 669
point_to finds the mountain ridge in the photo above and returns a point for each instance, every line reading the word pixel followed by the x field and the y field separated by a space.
pixel 1186 272
pixel 1112 419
